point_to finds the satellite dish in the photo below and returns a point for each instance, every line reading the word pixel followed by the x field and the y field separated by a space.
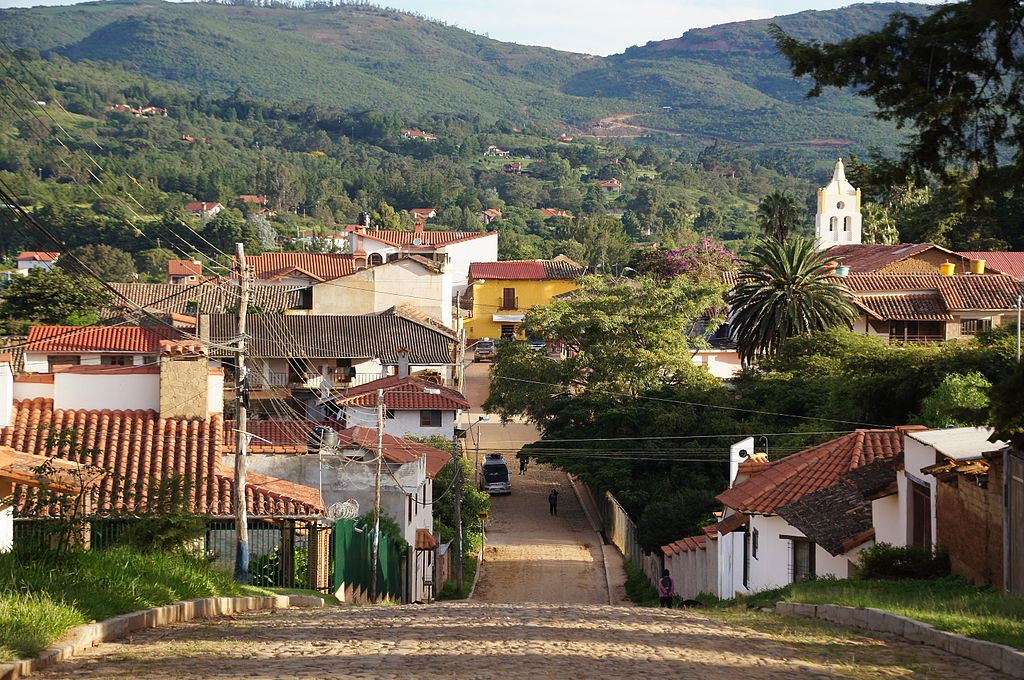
pixel 347 510
pixel 417 241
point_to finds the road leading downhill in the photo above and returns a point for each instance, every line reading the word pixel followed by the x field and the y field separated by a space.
pixel 534 557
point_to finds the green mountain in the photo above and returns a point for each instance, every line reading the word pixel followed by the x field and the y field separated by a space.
pixel 723 82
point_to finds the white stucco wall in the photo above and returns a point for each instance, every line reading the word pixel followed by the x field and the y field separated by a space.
pixel 889 517
pixel 6 528
pixel 215 390
pixel 730 565
pixel 36 362
pixel 95 391
pixel 6 393
pixel 773 566
pixel 722 364
pixel 461 255
pixel 404 423
pixel 33 390
pixel 379 288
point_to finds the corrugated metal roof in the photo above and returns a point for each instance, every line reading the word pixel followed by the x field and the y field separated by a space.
pixel 370 336
pixel 960 443
pixel 870 257
pixel 129 339
pixel 1011 263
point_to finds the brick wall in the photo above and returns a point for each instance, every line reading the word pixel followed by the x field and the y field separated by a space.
pixel 970 526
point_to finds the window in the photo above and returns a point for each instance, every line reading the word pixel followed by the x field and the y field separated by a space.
pixel 376 258
pixel 63 360
pixel 833 222
pixel 846 223
pixel 508 299
pixel 430 419
pixel 409 497
pixel 920 515
pixel 840 205
pixel 389 414
pixel 974 326
pixel 116 360
pixel 753 544
pixel 803 559
pixel 508 331
pixel 917 331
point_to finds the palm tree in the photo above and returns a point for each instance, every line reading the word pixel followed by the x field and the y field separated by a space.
pixel 778 215
pixel 785 289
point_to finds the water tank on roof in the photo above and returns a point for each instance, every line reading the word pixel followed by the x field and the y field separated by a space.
pixel 322 439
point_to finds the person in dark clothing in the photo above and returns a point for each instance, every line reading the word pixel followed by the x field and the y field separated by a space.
pixel 553 501
pixel 666 589
pixel 522 466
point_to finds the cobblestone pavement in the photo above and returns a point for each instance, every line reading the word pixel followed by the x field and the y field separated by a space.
pixel 471 640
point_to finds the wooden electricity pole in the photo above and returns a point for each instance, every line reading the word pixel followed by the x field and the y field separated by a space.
pixel 242 434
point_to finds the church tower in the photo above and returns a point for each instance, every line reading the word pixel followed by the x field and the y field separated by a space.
pixel 838 220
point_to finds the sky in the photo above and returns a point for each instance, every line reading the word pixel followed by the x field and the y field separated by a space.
pixel 595 27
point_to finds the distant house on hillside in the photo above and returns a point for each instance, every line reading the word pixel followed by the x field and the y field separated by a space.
pixel 611 186
pixel 489 215
pixel 184 271
pixel 513 168
pixel 203 209
pixel 497 152
pixel 33 259
pixel 418 135
pixel 555 212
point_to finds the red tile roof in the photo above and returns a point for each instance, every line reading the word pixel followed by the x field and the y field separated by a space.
pixel 997 291
pixel 38 256
pixel 425 540
pixel 396 449
pixel 793 477
pixel 527 270
pixel 258 199
pixel 72 339
pixel 140 447
pixel 1011 263
pixel 428 240
pixel 870 257
pixel 318 266
pixel 184 268
pixel 201 206
pixel 919 307
pixel 404 394
pixel 554 212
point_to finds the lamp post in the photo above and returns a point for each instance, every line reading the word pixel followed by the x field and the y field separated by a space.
pixel 476 470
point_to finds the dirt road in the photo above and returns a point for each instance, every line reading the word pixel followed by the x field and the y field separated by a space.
pixel 534 557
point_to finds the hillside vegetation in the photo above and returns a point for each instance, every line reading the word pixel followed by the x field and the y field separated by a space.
pixel 723 82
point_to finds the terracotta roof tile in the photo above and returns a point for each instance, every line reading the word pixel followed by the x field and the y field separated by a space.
pixel 184 268
pixel 793 477
pixel 38 256
pixel 425 540
pixel 1011 263
pixel 140 447
pixel 208 297
pixel 870 257
pixel 130 339
pixel 405 394
pixel 428 240
pixel 997 291
pixel 319 266
pixel 536 270
pixel 396 449
pixel 922 307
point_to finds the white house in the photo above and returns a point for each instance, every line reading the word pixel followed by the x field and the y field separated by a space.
pixel 342 473
pixel 52 346
pixel 203 209
pixel 453 250
pixel 31 259
pixel 413 406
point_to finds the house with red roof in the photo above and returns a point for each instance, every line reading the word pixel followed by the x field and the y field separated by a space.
pixel 415 406
pixel 418 135
pixel 489 215
pixel 203 209
pixel 342 468
pixel 50 347
pixel 32 259
pixel 502 292
pixel 611 186
pixel 184 271
pixel 422 214
pixel 555 212
pixel 803 516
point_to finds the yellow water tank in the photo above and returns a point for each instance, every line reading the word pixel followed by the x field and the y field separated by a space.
pixel 977 266
pixel 947 269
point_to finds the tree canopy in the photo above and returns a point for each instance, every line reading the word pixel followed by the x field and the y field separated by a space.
pixel 52 297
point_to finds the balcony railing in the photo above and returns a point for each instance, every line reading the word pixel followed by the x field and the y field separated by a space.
pixel 916 339
pixel 508 302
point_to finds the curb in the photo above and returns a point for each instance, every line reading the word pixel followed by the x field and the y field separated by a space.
pixel 596 527
pixel 999 657
pixel 80 638
pixel 476 576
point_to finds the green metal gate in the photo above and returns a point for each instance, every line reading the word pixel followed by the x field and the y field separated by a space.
pixel 353 548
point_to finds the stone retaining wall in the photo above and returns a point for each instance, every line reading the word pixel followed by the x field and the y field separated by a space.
pixel 1000 657
pixel 89 635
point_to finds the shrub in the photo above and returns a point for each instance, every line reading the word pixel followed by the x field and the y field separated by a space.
pixel 639 588
pixel 884 561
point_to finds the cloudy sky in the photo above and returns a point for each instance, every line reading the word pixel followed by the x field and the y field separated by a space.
pixel 597 27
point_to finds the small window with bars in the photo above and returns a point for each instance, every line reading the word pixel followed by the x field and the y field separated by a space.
pixel 974 326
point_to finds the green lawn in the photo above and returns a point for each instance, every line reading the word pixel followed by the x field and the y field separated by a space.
pixel 42 597
pixel 949 604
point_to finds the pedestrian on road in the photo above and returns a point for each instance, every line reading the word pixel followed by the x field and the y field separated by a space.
pixel 522 465
pixel 553 501
pixel 666 589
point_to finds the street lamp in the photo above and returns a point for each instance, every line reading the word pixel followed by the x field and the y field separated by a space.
pixel 476 471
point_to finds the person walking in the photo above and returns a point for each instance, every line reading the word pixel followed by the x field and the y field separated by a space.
pixel 522 465
pixel 666 589
pixel 553 501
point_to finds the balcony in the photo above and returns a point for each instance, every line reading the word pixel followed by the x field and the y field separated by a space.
pixel 508 302
pixel 916 339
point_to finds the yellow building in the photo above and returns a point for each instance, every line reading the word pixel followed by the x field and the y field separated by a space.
pixel 504 291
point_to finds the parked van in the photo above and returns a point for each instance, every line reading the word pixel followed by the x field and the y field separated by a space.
pixel 485 350
pixel 495 477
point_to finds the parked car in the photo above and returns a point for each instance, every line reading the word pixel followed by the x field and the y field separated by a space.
pixel 536 345
pixel 496 478
pixel 485 350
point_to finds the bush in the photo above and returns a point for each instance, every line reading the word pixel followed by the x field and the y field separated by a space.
pixel 639 588
pixel 884 561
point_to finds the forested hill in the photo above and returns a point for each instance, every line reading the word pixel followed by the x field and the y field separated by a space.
pixel 722 82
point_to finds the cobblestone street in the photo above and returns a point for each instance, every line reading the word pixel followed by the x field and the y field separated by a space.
pixel 468 640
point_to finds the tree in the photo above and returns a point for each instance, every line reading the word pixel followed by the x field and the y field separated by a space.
pixel 961 399
pixel 264 231
pixel 785 290
pixel 385 217
pixel 53 297
pixel 227 229
pixel 778 215
pixel 622 335
pixel 953 79
pixel 110 264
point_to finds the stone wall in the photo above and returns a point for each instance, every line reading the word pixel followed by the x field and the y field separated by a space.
pixel 184 392
pixel 969 523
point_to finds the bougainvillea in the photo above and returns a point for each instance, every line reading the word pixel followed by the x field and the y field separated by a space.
pixel 704 261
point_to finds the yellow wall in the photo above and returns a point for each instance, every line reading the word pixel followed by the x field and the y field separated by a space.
pixel 487 297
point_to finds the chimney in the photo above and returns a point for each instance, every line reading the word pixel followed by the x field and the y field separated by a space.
pixel 403 363
pixel 183 368
pixel 6 389
pixel 202 207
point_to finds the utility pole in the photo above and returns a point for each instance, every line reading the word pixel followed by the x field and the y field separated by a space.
pixel 1018 327
pixel 376 495
pixel 242 425
pixel 457 482
pixel 460 358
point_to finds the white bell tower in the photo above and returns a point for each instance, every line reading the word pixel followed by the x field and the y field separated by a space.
pixel 838 220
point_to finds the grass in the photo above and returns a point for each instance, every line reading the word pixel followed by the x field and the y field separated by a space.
pixel 950 604
pixel 41 597
pixel 449 591
pixel 638 588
